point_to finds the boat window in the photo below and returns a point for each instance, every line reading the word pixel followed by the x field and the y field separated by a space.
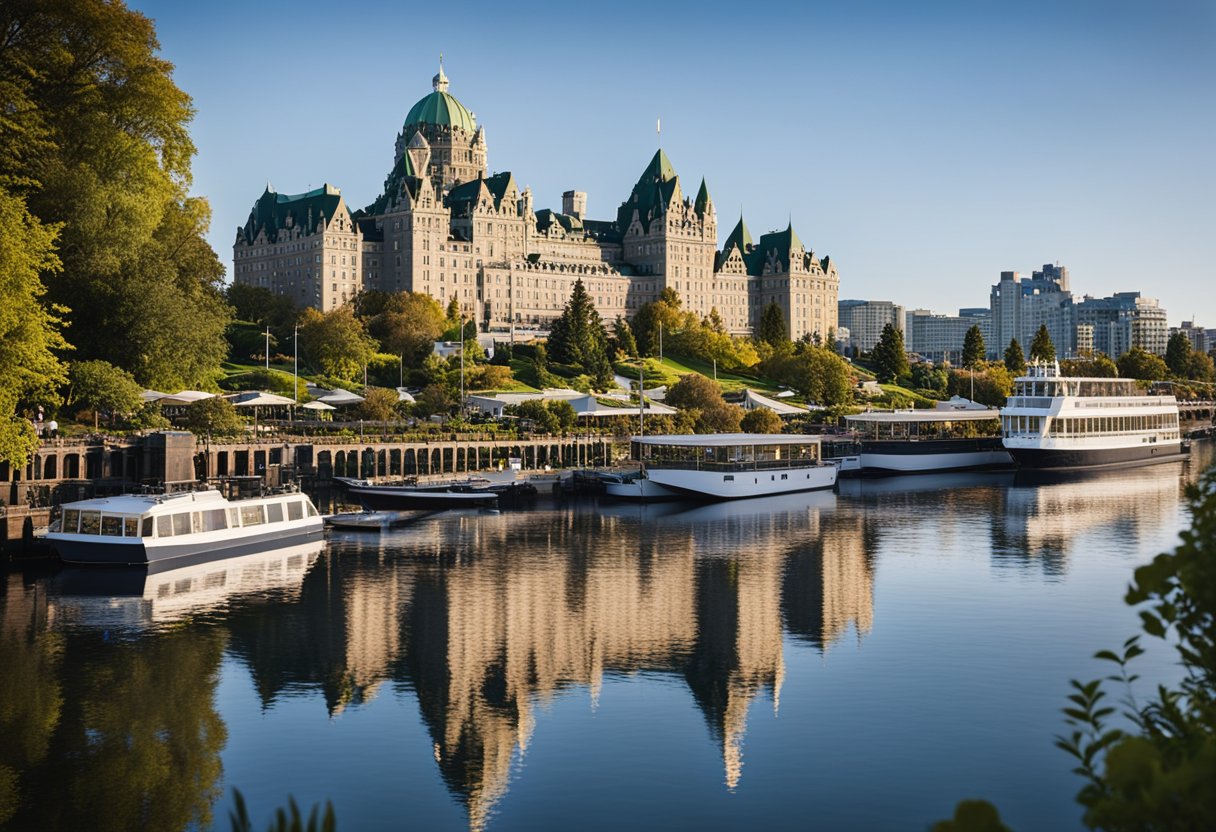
pixel 274 512
pixel 130 526
pixel 728 478
pixel 111 525
pixel 181 523
pixel 90 522
pixel 214 520
pixel 196 522
pixel 312 510
pixel 295 510
pixel 234 518
pixel 71 521
pixel 164 526
pixel 251 516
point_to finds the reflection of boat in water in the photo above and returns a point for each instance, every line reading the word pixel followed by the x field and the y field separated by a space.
pixel 726 466
pixel 401 497
pixel 858 488
pixel 167 531
pixel 133 595
pixel 801 502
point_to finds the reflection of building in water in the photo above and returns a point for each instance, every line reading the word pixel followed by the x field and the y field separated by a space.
pixel 823 596
pixel 1043 520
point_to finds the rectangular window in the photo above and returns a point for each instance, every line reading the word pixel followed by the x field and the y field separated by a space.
pixel 728 478
pixel 214 520
pixel 147 527
pixel 90 522
pixel 111 525
pixel 130 527
pixel 164 526
pixel 181 523
pixel 274 512
pixel 294 510
pixel 71 521
pixel 252 516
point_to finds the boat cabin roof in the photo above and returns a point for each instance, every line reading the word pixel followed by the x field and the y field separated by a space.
pixel 908 416
pixel 147 503
pixel 726 440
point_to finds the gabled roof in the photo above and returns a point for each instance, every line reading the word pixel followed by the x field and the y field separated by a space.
pixel 499 185
pixel 545 218
pixel 739 238
pixel 402 174
pixel 275 212
pixel 784 243
pixel 654 191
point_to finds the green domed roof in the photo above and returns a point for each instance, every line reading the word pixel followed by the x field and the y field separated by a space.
pixel 441 108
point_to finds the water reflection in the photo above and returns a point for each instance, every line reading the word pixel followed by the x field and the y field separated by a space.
pixel 483 619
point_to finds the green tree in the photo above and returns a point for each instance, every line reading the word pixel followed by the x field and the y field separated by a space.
pixel 1099 366
pixel 335 342
pixel 101 386
pixel 623 335
pixel 1200 367
pixel 379 405
pixel 992 385
pixel 890 358
pixel 433 400
pixel 29 331
pixel 1042 349
pixel 549 417
pixel 577 337
pixel 408 324
pixel 760 420
pixel 95 137
pixel 213 417
pixel 973 347
pixel 817 373
pixel 772 329
pixel 1141 364
pixel 1015 359
pixel 702 398
pixel 1178 354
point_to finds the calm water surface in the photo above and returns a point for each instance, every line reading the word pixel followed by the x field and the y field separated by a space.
pixel 859 660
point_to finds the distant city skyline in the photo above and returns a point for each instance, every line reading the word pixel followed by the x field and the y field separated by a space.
pixel 924 149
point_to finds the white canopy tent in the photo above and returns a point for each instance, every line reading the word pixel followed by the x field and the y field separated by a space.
pixel 339 397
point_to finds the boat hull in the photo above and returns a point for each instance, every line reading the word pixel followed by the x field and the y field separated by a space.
pixel 387 498
pixel 735 485
pixel 1071 459
pixel 641 489
pixel 162 556
pixel 933 456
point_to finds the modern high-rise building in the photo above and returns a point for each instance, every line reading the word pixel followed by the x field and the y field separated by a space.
pixel 1019 306
pixel 447 227
pixel 941 337
pixel 1122 321
pixel 865 319
pixel 1202 340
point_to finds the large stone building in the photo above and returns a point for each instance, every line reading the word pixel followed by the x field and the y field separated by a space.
pixel 443 225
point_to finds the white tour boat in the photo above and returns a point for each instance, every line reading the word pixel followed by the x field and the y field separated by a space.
pixel 725 466
pixel 923 441
pixel 1059 422
pixel 169 531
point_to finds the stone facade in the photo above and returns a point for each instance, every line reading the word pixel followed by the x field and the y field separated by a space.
pixel 443 225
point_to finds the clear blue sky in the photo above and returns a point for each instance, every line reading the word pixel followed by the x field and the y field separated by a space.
pixel 924 146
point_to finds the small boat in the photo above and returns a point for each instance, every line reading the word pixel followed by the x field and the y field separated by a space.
pixel 634 486
pixel 398 497
pixel 368 521
pixel 930 441
pixel 726 466
pixel 170 531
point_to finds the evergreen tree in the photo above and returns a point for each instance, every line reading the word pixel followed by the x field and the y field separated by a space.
pixel 577 337
pixel 890 359
pixel 973 347
pixel 1015 359
pixel 772 330
pixel 1041 349
pixel 1178 354
pixel 625 342
pixel 1141 364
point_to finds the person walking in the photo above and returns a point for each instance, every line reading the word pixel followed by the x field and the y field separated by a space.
pixel 52 429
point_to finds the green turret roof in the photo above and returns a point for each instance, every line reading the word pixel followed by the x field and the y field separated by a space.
pixel 277 212
pixel 441 108
pixel 739 238
pixel 786 245
pixel 654 191
pixel 402 173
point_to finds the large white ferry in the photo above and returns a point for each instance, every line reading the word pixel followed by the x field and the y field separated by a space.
pixel 1058 422
pixel 724 466
pixel 175 530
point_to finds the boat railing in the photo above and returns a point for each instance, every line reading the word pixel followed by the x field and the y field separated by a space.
pixel 729 467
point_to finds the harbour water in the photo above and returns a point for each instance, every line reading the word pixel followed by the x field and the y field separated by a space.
pixel 852 660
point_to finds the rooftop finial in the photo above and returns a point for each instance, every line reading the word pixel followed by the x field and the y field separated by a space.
pixel 658 131
pixel 440 81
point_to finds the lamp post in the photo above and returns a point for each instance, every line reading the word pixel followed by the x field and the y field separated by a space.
pixel 295 371
pixel 268 348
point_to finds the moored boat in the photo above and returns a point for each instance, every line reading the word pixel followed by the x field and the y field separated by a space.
pixel 1055 422
pixel 929 441
pixel 170 531
pixel 728 466
pixel 374 497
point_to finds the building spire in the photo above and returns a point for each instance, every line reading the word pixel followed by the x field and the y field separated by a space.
pixel 440 81
pixel 658 131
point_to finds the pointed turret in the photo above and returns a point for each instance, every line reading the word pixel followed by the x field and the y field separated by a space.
pixel 703 202
pixel 739 238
